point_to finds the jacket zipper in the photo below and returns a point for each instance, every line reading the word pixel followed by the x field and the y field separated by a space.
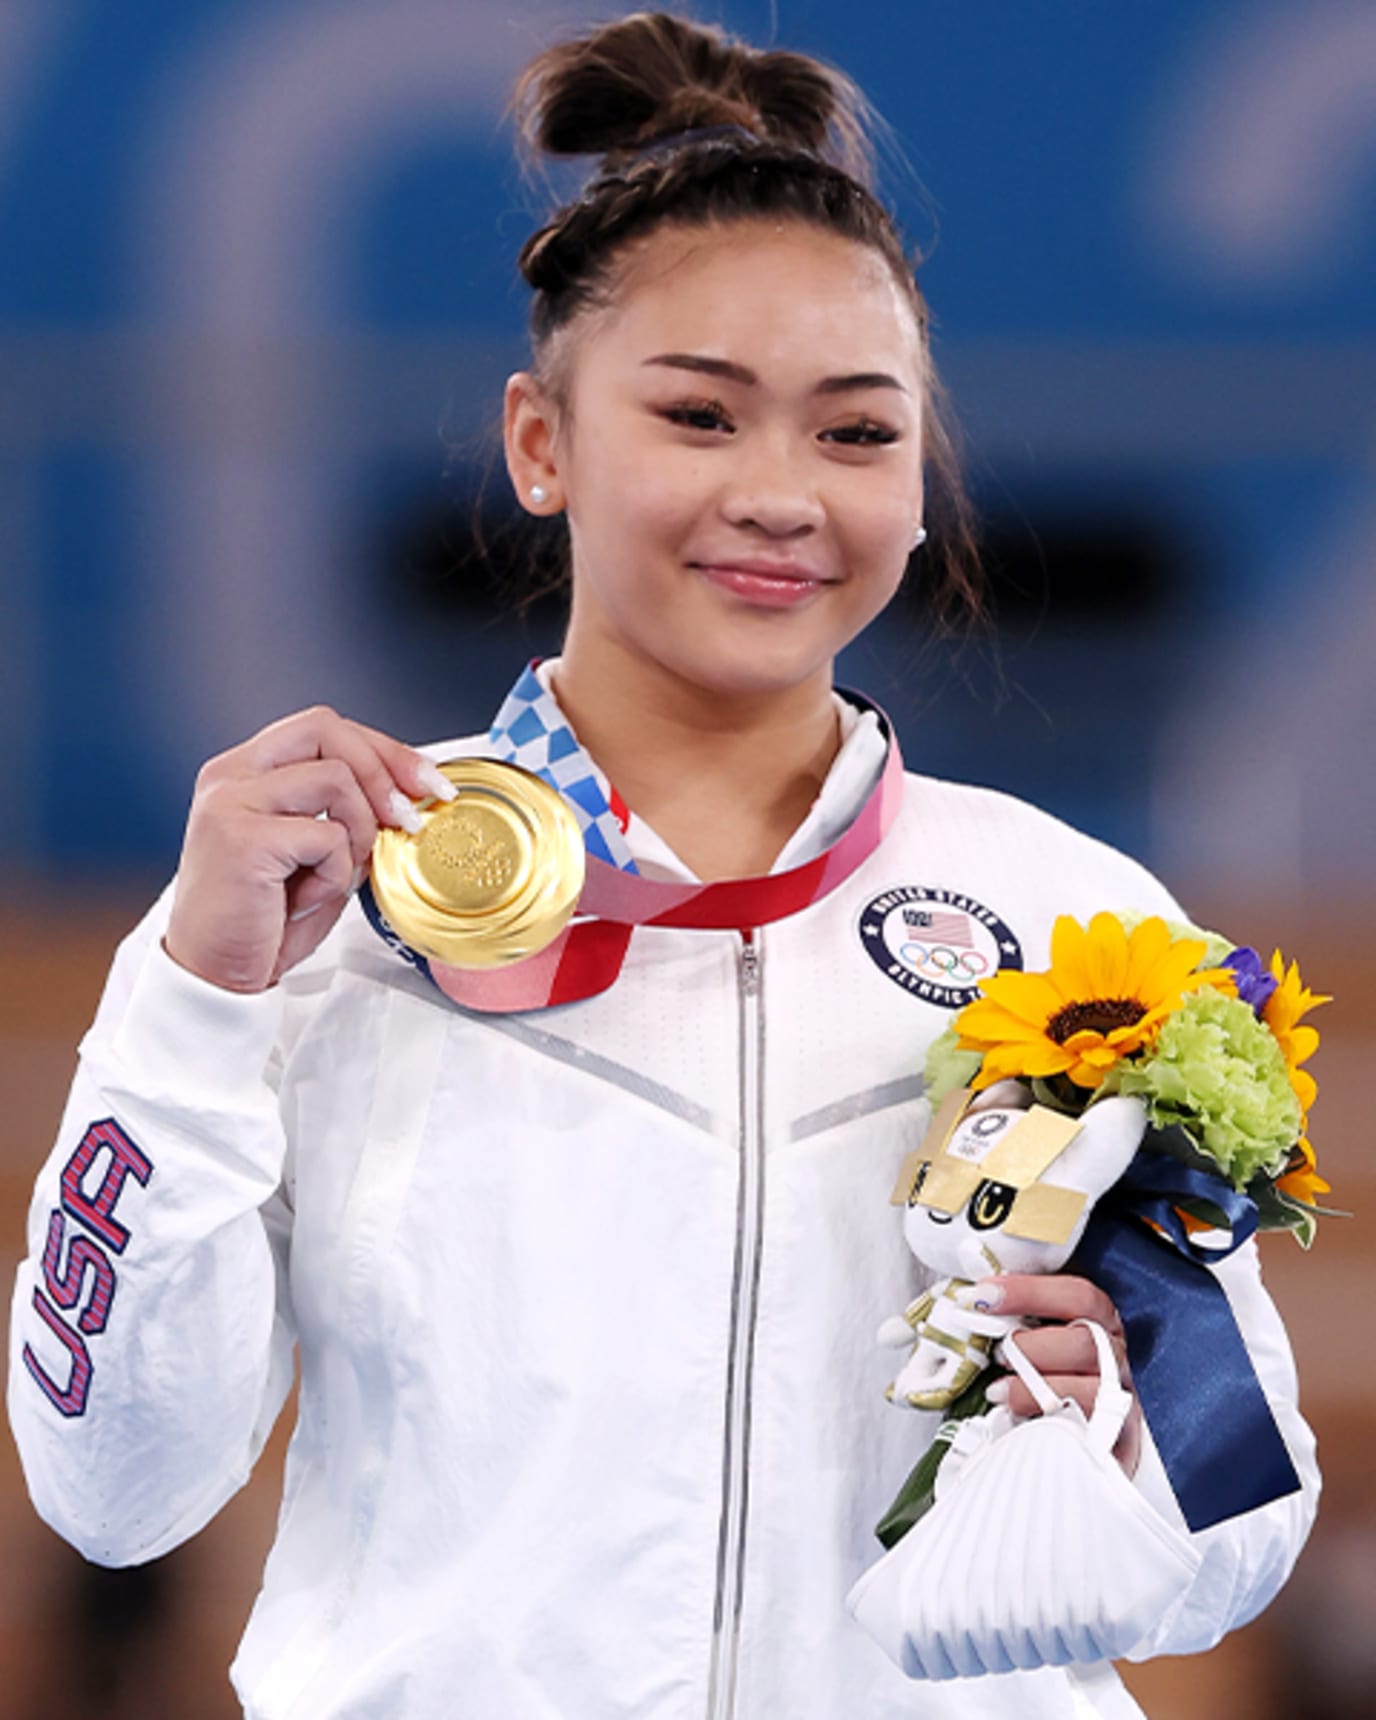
pixel 735 1480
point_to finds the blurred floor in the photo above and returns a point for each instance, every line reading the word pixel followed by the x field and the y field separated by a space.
pixel 155 1645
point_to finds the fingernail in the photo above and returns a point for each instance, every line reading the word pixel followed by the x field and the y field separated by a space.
pixel 435 781
pixel 997 1393
pixel 355 883
pixel 305 913
pixel 404 815
pixel 984 1297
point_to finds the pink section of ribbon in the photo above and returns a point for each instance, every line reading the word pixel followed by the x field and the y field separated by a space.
pixel 581 962
pixel 738 903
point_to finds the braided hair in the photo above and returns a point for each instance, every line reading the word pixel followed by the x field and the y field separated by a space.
pixel 695 128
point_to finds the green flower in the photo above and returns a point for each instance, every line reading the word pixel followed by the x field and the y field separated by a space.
pixel 1218 1072
pixel 1216 948
pixel 948 1067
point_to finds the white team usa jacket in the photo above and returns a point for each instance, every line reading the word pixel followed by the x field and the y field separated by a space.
pixel 592 1420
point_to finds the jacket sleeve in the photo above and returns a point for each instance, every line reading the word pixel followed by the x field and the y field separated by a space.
pixel 1244 1559
pixel 151 1345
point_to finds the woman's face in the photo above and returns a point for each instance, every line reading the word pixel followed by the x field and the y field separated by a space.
pixel 740 455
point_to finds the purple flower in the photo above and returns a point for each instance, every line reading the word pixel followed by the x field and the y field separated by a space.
pixel 1255 983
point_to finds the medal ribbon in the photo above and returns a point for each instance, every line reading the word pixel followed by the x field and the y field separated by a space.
pixel 1208 1415
pixel 530 730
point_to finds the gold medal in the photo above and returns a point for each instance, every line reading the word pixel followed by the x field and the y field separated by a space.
pixel 492 876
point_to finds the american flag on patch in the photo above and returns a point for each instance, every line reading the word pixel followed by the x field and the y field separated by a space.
pixel 945 927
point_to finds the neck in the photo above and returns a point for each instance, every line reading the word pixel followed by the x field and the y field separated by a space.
pixel 724 779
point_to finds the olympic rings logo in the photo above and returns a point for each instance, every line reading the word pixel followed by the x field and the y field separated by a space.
pixel 937 944
pixel 941 962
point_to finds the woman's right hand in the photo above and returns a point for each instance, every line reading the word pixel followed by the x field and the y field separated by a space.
pixel 278 838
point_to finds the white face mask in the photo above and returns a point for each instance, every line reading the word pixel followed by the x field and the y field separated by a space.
pixel 1041 1552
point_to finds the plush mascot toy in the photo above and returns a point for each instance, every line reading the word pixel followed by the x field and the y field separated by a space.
pixel 1000 1184
pixel 1013 1543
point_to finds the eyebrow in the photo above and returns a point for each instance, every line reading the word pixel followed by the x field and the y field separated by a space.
pixel 730 372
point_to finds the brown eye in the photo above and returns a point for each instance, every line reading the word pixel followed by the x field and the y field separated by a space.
pixel 699 415
pixel 864 434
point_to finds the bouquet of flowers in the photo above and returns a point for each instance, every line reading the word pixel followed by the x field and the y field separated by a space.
pixel 1025 1545
pixel 1211 1038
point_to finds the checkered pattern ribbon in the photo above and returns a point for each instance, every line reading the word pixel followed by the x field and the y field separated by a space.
pixel 530 730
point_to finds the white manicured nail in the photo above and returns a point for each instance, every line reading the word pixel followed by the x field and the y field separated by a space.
pixel 998 1392
pixel 305 913
pixel 435 780
pixel 355 883
pixel 404 815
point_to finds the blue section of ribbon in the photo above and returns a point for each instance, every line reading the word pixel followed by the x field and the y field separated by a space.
pixel 373 914
pixel 1208 1416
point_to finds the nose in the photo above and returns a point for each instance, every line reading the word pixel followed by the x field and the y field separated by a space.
pixel 770 491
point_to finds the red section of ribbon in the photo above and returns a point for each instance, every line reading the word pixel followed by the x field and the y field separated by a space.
pixel 591 960
pixel 581 962
pixel 738 903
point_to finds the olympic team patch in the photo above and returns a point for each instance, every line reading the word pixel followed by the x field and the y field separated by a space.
pixel 938 944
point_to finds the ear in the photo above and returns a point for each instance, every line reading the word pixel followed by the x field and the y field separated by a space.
pixel 529 425
pixel 1109 1135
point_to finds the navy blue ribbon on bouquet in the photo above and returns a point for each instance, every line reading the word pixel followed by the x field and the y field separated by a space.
pixel 1208 1415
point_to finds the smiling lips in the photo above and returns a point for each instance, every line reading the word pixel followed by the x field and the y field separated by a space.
pixel 768 585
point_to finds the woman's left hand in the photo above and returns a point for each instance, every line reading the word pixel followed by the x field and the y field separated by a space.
pixel 1064 1355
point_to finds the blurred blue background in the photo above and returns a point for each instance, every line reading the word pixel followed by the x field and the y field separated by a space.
pixel 257 297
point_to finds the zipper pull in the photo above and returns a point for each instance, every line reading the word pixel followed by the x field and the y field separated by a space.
pixel 750 964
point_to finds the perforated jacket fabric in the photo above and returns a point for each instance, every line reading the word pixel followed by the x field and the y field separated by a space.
pixel 591 1417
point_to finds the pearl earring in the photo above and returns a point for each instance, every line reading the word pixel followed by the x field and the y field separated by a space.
pixel 919 537
pixel 538 494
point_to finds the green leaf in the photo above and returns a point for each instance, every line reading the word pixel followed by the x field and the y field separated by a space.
pixel 1206 1212
pixel 1060 1093
pixel 917 1495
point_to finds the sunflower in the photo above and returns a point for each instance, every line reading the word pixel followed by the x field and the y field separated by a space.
pixel 1104 996
pixel 1282 1012
pixel 1302 1181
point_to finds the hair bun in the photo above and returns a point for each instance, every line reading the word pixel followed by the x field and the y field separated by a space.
pixel 616 89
